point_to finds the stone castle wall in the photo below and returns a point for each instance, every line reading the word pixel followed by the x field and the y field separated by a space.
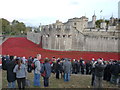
pixel 76 42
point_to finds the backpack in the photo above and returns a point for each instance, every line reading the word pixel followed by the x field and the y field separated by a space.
pixel 33 65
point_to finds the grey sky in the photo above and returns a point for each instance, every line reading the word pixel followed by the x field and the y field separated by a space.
pixel 34 12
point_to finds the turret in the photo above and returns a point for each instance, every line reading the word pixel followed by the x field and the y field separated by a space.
pixel 94 17
pixel 93 20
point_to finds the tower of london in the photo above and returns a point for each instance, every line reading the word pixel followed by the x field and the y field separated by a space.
pixel 78 34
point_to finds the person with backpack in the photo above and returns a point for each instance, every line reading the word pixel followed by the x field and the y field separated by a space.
pixel 47 69
pixel 37 70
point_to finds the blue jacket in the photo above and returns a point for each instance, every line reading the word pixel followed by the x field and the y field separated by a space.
pixel 47 68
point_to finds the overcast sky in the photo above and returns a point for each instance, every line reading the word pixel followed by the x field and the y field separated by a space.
pixel 34 12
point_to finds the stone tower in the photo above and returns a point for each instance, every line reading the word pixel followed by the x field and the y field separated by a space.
pixel 111 20
pixel 93 20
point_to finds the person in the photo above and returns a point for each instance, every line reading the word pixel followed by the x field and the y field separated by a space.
pixel 11 76
pixel 5 58
pixel 37 70
pixel 107 74
pixel 58 68
pixel 53 66
pixel 93 72
pixel 24 60
pixel 88 65
pixel 47 68
pixel 82 67
pixel 73 66
pixel 67 70
pixel 115 70
pixel 21 73
pixel 99 69
pixel 29 68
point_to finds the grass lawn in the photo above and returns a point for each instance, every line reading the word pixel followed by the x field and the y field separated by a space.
pixel 77 81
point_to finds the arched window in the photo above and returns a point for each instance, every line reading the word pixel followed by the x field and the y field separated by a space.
pixel 57 35
pixel 64 36
pixel 116 38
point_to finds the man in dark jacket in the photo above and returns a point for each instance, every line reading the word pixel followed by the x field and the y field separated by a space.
pixel 115 70
pixel 107 74
pixel 11 76
pixel 58 69
pixel 99 69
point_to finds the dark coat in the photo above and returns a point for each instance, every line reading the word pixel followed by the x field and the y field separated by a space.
pixel 115 69
pixel 47 68
pixel 99 70
pixel 11 76
pixel 30 61
pixel 58 67
pixel 107 74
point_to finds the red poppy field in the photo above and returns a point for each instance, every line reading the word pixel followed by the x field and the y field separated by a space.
pixel 20 46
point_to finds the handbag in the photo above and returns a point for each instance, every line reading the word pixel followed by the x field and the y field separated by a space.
pixel 44 73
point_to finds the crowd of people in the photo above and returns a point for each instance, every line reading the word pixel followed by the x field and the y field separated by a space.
pixel 18 68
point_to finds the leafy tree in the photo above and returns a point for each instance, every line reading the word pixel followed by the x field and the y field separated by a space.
pixel 18 27
pixel 98 22
pixel 6 28
pixel 107 22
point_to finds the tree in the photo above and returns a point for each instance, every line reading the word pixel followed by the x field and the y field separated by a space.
pixel 98 22
pixel 6 28
pixel 18 27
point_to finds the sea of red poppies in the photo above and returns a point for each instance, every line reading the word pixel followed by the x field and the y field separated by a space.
pixel 20 46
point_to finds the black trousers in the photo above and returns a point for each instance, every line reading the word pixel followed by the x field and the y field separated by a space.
pixel 57 74
pixel 21 83
pixel 46 81
pixel 93 78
